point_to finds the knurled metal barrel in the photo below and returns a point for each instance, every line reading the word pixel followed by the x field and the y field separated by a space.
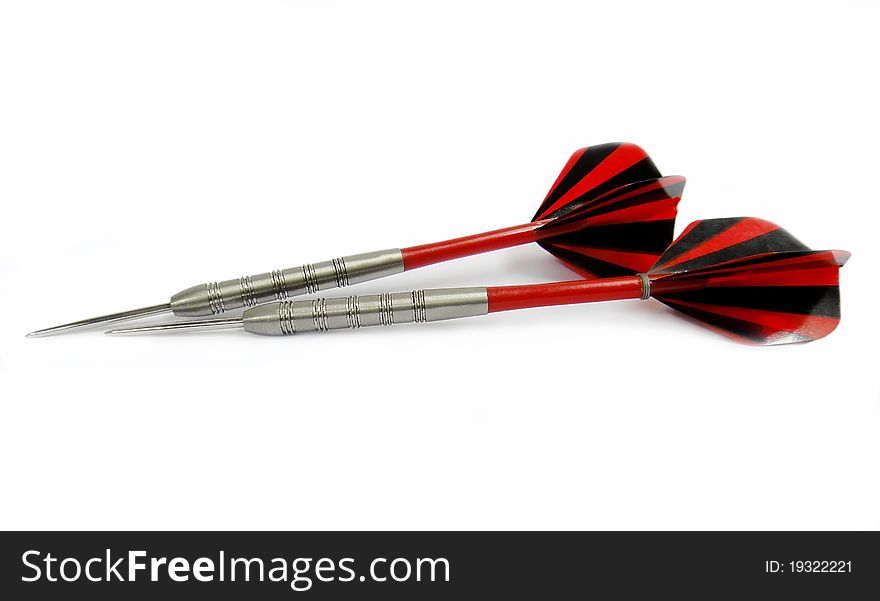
pixel 353 312
pixel 214 298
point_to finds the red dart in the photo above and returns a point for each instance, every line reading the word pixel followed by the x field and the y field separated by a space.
pixel 609 213
pixel 744 277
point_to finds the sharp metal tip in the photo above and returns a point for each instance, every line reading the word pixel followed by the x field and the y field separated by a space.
pixel 103 319
pixel 228 323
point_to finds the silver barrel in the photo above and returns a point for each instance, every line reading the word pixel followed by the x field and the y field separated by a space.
pixel 352 312
pixel 214 298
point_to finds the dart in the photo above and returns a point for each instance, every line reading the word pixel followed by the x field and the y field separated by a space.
pixel 609 213
pixel 744 277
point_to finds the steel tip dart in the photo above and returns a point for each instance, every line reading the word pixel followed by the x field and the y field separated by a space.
pixel 609 213
pixel 744 277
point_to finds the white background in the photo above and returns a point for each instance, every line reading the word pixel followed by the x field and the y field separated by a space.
pixel 149 146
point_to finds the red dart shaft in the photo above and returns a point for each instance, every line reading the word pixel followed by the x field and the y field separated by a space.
pixel 506 298
pixel 437 252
